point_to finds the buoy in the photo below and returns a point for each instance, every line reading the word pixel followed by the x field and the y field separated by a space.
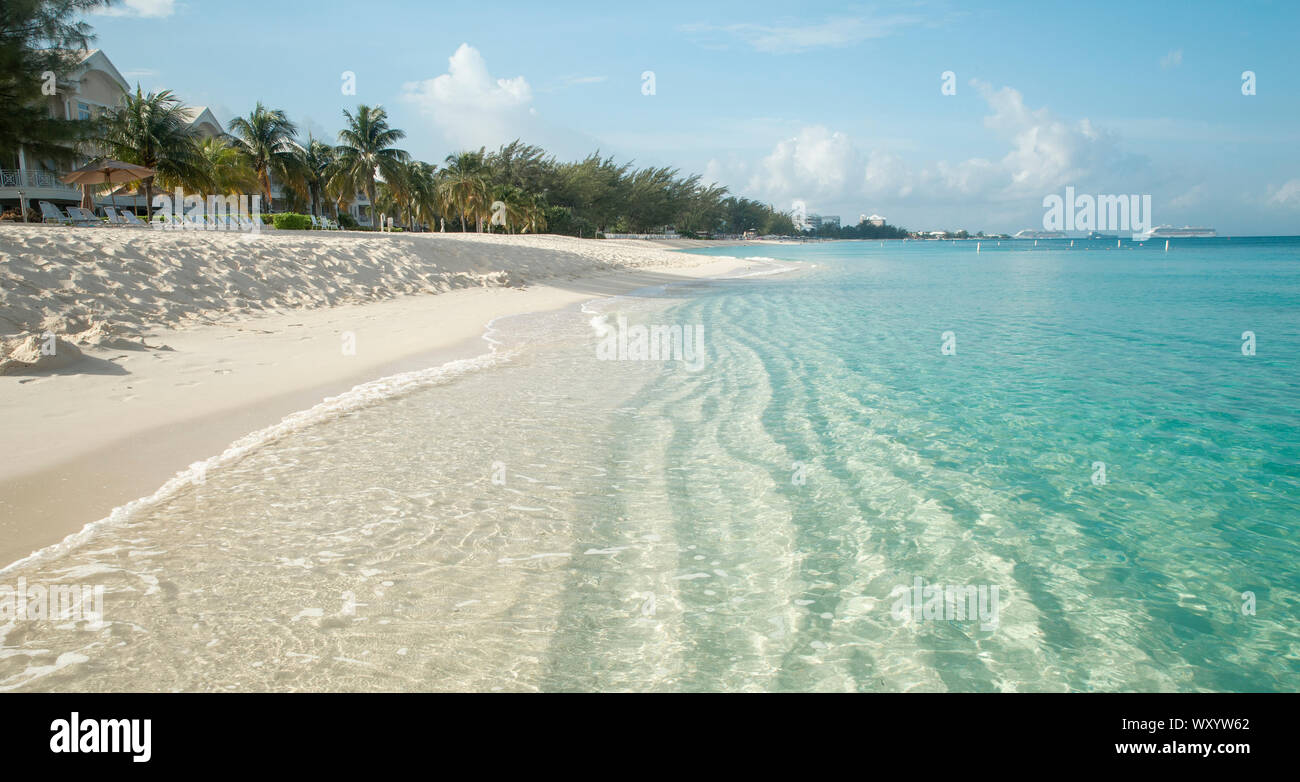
pixel 977 248
pixel 1166 245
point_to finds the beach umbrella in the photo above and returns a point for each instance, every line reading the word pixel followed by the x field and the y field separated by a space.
pixel 101 172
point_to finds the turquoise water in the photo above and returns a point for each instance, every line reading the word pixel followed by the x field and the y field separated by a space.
pixel 547 520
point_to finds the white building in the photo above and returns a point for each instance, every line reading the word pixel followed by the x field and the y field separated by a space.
pixel 93 86
pixel 90 89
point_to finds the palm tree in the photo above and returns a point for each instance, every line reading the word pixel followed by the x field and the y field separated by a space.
pixel 421 192
pixel 265 137
pixel 366 147
pixel 154 131
pixel 464 187
pixel 533 214
pixel 227 169
pixel 513 200
pixel 317 167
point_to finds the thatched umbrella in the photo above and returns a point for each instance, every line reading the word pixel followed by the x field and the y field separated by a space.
pixel 104 172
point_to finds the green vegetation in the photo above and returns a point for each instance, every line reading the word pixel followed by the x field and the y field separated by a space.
pixel 153 131
pixel 517 188
pixel 292 221
pixel 35 37
pixel 265 139
pixel 862 230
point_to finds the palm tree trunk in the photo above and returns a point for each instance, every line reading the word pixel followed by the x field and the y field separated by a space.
pixel 266 189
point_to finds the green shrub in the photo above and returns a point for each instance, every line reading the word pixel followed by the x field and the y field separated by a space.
pixel 291 221
pixel 347 222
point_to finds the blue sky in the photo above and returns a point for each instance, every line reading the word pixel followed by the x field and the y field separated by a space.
pixel 839 107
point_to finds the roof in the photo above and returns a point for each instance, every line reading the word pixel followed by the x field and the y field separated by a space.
pixel 95 59
pixel 197 115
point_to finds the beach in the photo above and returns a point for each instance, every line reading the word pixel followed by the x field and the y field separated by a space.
pixel 194 339
pixel 491 499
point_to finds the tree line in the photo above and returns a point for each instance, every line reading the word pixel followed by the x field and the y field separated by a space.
pixel 517 187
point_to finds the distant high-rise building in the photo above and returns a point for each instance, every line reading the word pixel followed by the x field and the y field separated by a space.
pixel 875 220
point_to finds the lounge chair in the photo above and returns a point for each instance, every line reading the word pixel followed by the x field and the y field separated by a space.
pixel 82 216
pixel 113 217
pixel 51 214
pixel 131 221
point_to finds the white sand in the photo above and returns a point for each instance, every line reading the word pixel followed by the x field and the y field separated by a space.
pixel 254 330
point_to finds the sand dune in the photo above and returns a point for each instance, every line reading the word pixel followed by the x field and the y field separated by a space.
pixel 107 286
pixel 185 342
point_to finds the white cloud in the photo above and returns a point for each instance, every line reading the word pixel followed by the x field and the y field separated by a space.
pixel 1046 152
pixel 1288 194
pixel 1193 197
pixel 790 38
pixel 152 9
pixel 470 107
pixel 1172 60
pixel 817 165
pixel 887 175
pixel 830 170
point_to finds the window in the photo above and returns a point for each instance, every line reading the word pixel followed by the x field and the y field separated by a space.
pixel 83 111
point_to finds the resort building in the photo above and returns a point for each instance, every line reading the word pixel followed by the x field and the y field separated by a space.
pixel 813 222
pixel 94 86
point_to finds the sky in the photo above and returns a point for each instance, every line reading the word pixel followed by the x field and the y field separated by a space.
pixel 839 107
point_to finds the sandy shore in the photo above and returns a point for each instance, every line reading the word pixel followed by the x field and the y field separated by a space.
pixel 254 329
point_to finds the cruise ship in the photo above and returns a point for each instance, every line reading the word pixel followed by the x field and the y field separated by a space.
pixel 1170 232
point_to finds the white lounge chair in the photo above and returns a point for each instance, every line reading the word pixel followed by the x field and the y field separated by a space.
pixel 129 219
pixel 113 217
pixel 51 214
pixel 82 216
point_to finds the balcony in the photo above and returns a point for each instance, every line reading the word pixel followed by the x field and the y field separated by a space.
pixel 38 185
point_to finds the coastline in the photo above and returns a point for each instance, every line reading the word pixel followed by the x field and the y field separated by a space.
pixel 114 427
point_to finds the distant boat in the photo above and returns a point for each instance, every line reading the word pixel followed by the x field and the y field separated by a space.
pixel 1170 232
pixel 1039 235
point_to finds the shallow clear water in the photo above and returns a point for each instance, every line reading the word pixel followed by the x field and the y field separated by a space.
pixel 549 520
